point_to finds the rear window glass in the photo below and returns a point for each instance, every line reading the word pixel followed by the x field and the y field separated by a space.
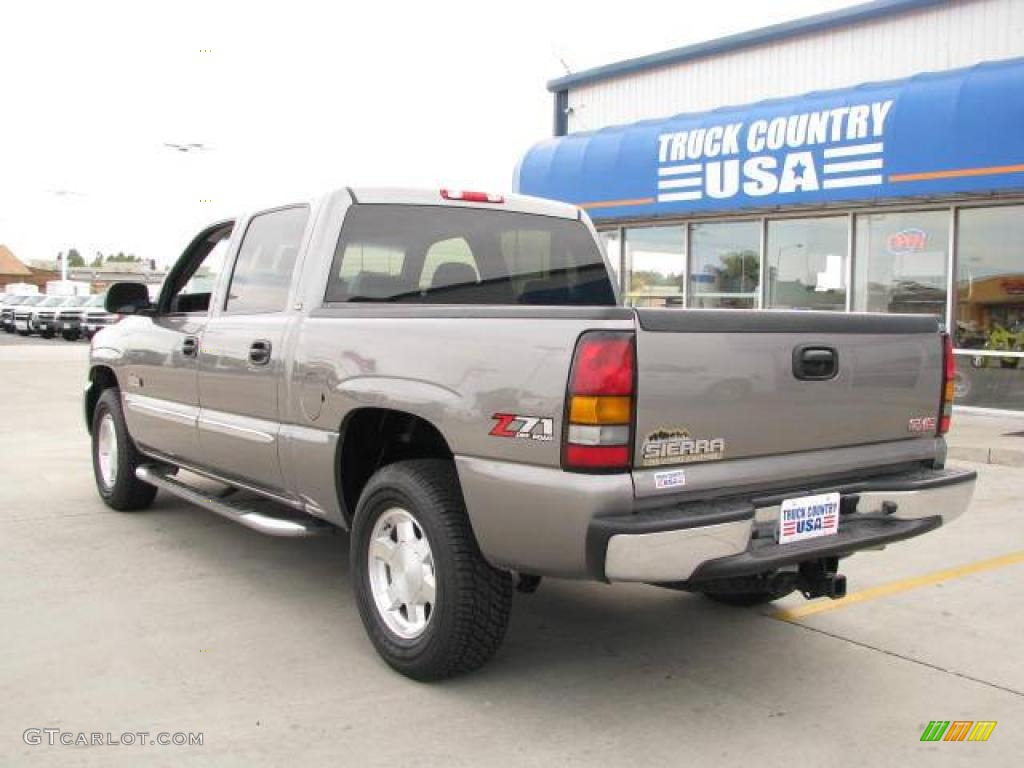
pixel 422 254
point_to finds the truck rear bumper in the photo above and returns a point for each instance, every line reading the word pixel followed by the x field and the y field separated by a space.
pixel 713 540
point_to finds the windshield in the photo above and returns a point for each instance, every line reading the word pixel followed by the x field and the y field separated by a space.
pixel 31 301
pixel 53 301
pixel 97 300
pixel 77 301
pixel 13 301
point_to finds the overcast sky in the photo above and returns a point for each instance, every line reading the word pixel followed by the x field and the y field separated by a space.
pixel 294 98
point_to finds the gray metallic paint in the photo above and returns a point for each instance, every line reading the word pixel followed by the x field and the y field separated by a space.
pixel 740 387
pixel 534 519
pixel 240 421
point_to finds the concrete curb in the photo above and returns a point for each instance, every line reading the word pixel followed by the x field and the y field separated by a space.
pixel 1007 457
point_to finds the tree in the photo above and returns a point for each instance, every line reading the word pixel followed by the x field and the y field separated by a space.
pixel 98 261
pixel 122 257
pixel 739 272
pixel 75 258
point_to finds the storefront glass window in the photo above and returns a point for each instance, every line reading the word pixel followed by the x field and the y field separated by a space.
pixel 655 265
pixel 725 263
pixel 613 247
pixel 806 263
pixel 990 307
pixel 901 262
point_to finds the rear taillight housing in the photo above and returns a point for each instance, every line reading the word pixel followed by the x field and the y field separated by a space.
pixel 600 403
pixel 948 384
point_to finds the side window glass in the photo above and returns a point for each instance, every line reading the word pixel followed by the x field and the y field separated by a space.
pixel 266 261
pixel 197 284
pixel 205 277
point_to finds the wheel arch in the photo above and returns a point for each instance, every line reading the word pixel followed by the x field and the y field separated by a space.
pixel 101 378
pixel 371 438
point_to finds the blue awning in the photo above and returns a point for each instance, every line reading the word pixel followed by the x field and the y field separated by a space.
pixel 933 134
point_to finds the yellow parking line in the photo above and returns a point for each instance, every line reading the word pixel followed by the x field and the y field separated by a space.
pixel 883 590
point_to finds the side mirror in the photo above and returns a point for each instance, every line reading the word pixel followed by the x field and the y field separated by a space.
pixel 127 299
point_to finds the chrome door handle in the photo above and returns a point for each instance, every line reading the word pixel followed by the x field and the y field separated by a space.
pixel 259 352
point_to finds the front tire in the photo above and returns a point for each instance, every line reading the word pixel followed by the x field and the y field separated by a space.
pixel 432 606
pixel 115 457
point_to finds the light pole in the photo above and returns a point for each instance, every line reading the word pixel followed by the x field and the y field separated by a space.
pixel 778 267
pixel 62 256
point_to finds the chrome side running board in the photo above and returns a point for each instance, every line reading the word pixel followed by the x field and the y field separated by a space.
pixel 290 525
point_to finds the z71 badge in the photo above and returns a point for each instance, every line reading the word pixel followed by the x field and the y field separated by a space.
pixel 675 446
pixel 528 427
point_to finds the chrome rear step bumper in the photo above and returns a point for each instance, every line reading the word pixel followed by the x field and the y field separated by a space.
pixel 700 541
pixel 288 525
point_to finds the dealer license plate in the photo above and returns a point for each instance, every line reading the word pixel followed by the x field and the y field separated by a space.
pixel 808 517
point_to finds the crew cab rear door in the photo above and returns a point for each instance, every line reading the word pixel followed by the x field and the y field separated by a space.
pixel 241 359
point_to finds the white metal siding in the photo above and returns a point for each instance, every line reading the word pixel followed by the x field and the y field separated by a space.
pixel 957 34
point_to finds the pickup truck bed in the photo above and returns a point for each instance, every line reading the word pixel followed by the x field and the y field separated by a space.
pixel 450 377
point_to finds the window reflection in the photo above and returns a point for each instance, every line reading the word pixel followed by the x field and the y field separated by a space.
pixel 901 262
pixel 725 264
pixel 990 279
pixel 656 263
pixel 806 263
pixel 613 247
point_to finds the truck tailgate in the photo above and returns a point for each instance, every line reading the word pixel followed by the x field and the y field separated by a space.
pixel 726 384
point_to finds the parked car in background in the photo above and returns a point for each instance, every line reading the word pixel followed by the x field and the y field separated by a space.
pixel 7 306
pixel 9 300
pixel 22 309
pixel 44 316
pixel 68 321
pixel 95 316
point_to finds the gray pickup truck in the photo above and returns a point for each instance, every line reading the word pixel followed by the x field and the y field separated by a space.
pixel 450 377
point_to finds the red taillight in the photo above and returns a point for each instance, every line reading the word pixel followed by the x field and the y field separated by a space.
pixel 596 456
pixel 600 403
pixel 948 379
pixel 603 365
pixel 471 197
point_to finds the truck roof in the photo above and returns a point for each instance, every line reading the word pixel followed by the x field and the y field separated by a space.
pixel 508 202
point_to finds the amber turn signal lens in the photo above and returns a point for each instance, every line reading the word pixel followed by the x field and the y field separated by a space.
pixel 600 410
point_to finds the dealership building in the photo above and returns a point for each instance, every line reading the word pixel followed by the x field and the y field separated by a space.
pixel 869 159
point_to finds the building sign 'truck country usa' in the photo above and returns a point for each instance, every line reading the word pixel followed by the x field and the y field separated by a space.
pixel 805 152
pixel 930 135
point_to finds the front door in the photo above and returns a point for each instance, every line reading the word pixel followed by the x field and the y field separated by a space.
pixel 241 359
pixel 160 380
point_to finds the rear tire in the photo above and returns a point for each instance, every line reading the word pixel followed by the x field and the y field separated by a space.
pixel 745 592
pixel 115 457
pixel 432 606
